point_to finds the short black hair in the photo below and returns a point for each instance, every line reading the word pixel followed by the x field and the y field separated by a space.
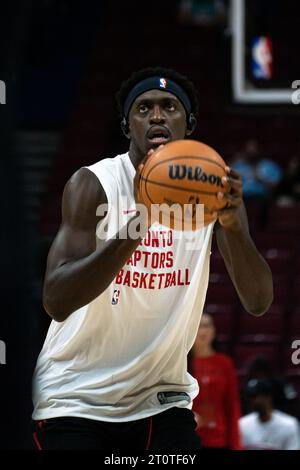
pixel 260 365
pixel 140 75
pixel 256 387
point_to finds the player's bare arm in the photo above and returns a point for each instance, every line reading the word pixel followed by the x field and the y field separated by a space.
pixel 248 270
pixel 78 271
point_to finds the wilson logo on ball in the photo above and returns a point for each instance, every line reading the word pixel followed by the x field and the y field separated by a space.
pixel 193 174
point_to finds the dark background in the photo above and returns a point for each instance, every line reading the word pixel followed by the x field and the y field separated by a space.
pixel 62 62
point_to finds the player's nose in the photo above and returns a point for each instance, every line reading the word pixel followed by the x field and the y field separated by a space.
pixel 157 115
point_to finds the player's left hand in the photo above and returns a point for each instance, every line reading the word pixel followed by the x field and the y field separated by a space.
pixel 229 217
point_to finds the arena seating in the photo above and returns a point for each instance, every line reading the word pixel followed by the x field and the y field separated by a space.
pixel 265 329
pixel 223 315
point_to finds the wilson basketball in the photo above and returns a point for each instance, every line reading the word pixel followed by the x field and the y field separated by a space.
pixel 182 175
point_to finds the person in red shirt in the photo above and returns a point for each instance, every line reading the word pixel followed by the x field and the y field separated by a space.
pixel 217 407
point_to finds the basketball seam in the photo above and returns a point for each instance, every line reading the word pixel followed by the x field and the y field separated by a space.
pixel 152 202
pixel 190 190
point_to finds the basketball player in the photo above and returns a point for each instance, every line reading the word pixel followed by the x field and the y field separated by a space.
pixel 112 373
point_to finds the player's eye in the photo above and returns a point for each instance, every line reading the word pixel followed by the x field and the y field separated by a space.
pixel 143 108
pixel 170 107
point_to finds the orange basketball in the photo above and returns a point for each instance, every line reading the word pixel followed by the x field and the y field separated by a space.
pixel 183 174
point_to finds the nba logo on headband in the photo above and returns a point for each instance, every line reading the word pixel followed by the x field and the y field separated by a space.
pixel 163 83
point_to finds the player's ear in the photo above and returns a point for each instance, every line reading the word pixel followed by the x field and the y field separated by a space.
pixel 125 127
pixel 191 124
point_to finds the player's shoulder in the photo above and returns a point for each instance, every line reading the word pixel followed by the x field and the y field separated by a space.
pixel 86 183
pixel 88 174
pixel 82 180
pixel 109 163
pixel 83 186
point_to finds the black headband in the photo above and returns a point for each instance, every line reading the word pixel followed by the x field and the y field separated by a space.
pixel 157 83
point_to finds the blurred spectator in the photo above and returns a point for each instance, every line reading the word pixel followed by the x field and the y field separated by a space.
pixel 267 428
pixel 202 12
pixel 217 407
pixel 283 393
pixel 289 189
pixel 260 176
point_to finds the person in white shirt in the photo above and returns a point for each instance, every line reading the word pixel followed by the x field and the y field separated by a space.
pixel 266 428
pixel 113 369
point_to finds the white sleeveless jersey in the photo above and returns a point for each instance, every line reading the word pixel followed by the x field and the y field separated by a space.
pixel 110 359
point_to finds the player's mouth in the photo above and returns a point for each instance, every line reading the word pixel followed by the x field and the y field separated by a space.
pixel 158 135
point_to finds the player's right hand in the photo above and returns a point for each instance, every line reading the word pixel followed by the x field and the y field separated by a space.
pixel 136 182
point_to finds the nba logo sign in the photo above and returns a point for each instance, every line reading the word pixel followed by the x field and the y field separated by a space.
pixel 262 58
pixel 115 297
pixel 163 83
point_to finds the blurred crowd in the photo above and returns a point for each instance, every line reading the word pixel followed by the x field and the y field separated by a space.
pixel 264 180
pixel 256 414
pixel 202 12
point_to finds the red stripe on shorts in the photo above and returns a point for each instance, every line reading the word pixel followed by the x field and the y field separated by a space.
pixel 150 434
pixel 37 441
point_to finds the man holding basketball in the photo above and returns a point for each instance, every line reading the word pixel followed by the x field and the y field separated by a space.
pixel 112 373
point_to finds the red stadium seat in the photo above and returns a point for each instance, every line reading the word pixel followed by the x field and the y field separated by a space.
pixel 244 354
pixel 255 214
pixel 278 259
pixel 296 290
pixel 294 324
pixel 281 292
pixel 217 263
pixel 221 292
pixel 284 218
pixel 223 319
pixel 279 240
pixel 297 261
pixel 264 329
pixel 219 309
